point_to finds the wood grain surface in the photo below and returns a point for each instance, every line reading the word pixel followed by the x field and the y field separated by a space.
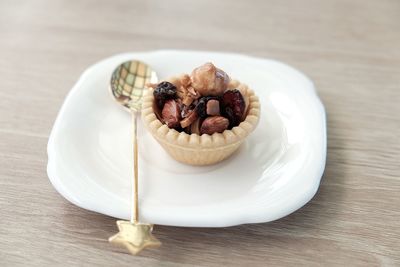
pixel 350 49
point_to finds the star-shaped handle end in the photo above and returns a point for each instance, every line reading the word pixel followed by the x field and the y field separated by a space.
pixel 134 236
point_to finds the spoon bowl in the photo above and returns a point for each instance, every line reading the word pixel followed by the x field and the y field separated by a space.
pixel 128 83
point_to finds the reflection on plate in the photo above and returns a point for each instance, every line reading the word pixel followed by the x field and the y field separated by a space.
pixel 276 171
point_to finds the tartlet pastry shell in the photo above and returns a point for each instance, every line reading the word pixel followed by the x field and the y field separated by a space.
pixel 205 149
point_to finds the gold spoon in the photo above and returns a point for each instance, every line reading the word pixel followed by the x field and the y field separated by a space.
pixel 127 86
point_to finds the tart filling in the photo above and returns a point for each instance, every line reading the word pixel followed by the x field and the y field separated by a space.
pixel 202 103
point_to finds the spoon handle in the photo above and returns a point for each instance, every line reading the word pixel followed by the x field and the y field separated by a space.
pixel 135 195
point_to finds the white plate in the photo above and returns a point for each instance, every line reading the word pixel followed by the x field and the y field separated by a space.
pixel 275 172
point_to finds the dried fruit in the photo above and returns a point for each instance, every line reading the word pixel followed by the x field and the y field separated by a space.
pixel 171 114
pixel 163 92
pixel 228 113
pixel 246 101
pixel 201 107
pixel 213 107
pixel 215 124
pixel 233 106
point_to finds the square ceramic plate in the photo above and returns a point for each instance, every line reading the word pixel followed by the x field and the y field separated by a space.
pixel 276 171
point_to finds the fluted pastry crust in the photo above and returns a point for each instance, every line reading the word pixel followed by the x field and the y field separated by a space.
pixel 205 149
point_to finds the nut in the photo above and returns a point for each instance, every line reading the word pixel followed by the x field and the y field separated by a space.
pixel 208 80
pixel 171 114
pixel 213 107
pixel 215 124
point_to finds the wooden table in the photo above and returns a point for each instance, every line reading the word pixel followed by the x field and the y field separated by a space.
pixel 351 49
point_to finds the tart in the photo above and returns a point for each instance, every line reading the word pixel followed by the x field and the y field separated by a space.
pixel 202 118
